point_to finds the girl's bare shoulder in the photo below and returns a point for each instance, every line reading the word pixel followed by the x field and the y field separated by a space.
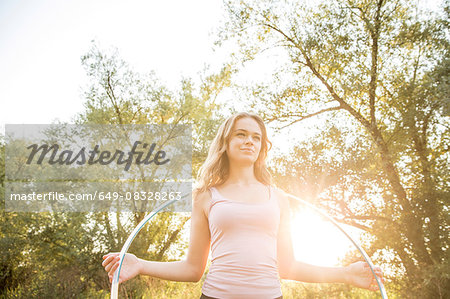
pixel 201 200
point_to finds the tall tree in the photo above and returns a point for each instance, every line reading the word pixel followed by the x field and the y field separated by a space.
pixel 52 255
pixel 119 95
pixel 382 66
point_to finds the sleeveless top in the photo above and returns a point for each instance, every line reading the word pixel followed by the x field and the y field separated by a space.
pixel 243 248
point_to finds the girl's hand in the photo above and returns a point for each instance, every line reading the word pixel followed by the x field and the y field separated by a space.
pixel 360 275
pixel 131 266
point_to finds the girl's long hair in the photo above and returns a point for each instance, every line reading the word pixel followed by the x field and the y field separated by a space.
pixel 215 169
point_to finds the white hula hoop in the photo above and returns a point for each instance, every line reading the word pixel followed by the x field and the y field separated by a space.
pixel 115 280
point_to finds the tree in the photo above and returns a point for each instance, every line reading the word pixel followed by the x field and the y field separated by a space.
pixel 118 95
pixel 59 254
pixel 382 67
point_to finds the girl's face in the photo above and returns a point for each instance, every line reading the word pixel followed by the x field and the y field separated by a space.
pixel 245 141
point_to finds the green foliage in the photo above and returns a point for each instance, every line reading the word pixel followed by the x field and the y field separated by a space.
pixel 59 255
pixel 374 75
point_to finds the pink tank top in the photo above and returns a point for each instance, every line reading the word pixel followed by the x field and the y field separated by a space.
pixel 243 248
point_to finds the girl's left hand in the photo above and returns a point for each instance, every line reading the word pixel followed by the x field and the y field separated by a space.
pixel 360 275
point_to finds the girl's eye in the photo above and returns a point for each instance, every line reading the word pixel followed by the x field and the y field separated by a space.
pixel 240 134
pixel 257 138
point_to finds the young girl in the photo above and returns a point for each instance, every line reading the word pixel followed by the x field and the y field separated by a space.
pixel 246 222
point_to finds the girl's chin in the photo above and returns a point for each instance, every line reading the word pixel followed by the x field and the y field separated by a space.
pixel 249 161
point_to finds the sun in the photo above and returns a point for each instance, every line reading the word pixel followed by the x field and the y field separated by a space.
pixel 317 241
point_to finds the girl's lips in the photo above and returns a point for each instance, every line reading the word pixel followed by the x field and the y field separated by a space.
pixel 247 150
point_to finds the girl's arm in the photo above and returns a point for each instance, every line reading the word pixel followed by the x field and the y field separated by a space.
pixel 357 274
pixel 190 270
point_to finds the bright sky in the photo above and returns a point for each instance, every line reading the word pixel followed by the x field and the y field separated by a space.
pixel 42 42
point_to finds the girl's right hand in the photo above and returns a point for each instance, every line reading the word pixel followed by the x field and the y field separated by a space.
pixel 131 266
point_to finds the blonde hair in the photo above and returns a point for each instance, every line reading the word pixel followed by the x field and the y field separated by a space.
pixel 215 169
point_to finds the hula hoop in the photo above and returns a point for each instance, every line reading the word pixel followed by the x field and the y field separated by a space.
pixel 115 280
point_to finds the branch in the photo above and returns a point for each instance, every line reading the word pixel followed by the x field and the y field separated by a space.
pixel 309 115
pixel 354 224
pixel 336 97
pixel 370 217
pixel 113 99
pixel 374 70
pixel 111 239
pixel 426 122
pixel 171 239
pixel 345 220
pixel 135 113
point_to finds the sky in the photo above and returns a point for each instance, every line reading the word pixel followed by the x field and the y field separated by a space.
pixel 41 43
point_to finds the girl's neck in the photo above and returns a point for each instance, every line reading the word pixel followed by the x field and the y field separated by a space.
pixel 241 175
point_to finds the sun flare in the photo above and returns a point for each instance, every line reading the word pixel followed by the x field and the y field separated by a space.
pixel 317 241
